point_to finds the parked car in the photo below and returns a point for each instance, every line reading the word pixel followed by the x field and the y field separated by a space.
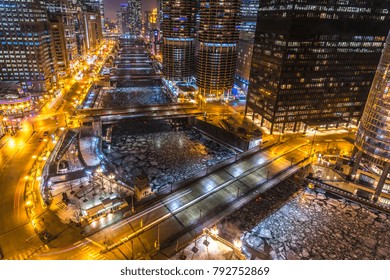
pixel 46 133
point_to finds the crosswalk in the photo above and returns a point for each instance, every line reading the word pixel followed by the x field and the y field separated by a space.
pixel 62 206
pixel 28 254
pixel 87 252
pixel 82 250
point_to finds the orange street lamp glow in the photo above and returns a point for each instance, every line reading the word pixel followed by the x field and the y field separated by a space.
pixel 237 243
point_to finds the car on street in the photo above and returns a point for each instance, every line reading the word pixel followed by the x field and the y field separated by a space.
pixel 46 133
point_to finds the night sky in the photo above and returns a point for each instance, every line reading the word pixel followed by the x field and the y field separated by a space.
pixel 111 6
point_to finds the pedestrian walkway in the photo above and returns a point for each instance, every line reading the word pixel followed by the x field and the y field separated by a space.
pixel 331 181
pixel 29 254
pixel 88 149
pixel 87 253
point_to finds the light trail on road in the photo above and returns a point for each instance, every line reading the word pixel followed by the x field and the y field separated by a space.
pixel 149 210
pixel 202 196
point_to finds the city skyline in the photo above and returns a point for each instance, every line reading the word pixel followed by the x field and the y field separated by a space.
pixel 112 6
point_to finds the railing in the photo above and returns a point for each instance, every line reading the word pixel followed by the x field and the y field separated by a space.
pixel 347 195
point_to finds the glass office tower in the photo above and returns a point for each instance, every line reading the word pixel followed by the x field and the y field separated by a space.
pixel 314 61
pixel 373 136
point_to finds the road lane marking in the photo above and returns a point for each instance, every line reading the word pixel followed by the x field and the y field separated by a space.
pixel 147 211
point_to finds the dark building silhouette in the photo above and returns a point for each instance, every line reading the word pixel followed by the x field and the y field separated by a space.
pixel 314 61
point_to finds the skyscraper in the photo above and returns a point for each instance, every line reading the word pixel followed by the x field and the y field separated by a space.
pixel 97 6
pixel 123 18
pixel 25 48
pixel 62 18
pixel 178 27
pixel 135 20
pixel 245 45
pixel 314 61
pixel 373 136
pixel 217 50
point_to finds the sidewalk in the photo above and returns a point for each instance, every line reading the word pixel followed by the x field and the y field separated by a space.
pixel 330 181
pixel 88 150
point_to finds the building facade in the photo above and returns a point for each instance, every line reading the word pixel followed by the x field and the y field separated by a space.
pixel 135 17
pixel 314 61
pixel 245 45
pixel 123 18
pixel 218 37
pixel 93 33
pixel 373 136
pixel 178 27
pixel 62 19
pixel 25 45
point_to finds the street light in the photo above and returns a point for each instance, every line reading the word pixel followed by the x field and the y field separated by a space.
pixel 237 244
pixel 312 142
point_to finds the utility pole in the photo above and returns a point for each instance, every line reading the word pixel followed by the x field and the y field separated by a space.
pixel 312 142
pixel 158 237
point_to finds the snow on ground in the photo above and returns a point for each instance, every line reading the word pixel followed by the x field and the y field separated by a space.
pixel 206 249
pixel 132 96
pixel 71 157
pixel 83 193
pixel 290 223
pixel 167 152
pixel 88 149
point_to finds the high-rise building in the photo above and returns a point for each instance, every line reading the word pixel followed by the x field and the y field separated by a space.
pixel 95 6
pixel 314 61
pixel 135 20
pixel 62 18
pixel 123 18
pixel 178 27
pixel 373 136
pixel 160 13
pixel 145 23
pixel 25 48
pixel 91 23
pixel 245 45
pixel 217 50
pixel 102 15
pixel 92 30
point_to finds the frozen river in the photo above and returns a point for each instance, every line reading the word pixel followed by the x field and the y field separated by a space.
pixel 166 151
pixel 290 223
pixel 133 96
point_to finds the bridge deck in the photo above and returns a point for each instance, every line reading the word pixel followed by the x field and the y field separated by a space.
pixel 144 111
